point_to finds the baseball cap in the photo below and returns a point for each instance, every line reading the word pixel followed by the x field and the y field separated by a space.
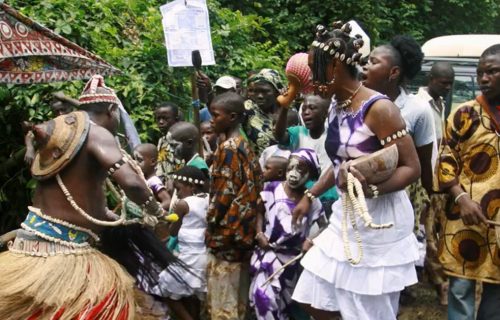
pixel 226 82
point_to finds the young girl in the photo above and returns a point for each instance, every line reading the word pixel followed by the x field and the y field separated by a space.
pixel 278 242
pixel 183 289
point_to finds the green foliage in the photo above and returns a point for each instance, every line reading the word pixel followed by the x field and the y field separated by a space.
pixel 247 35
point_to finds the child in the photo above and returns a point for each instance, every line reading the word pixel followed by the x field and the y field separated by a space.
pixel 166 114
pixel 209 139
pixel 146 156
pixel 275 169
pixel 184 291
pixel 184 140
pixel 312 136
pixel 278 242
pixel 234 196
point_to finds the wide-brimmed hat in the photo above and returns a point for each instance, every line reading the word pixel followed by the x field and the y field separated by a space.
pixel 58 141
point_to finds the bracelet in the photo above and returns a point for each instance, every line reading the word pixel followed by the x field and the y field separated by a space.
pixel 374 191
pixel 309 195
pixel 460 196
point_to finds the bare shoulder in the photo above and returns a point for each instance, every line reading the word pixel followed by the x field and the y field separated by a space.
pixel 103 146
pixel 181 207
pixel 384 118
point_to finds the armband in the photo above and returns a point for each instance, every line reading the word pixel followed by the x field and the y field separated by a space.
pixel 117 165
pixel 396 135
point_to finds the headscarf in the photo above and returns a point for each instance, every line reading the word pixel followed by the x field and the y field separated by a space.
pixel 310 156
pixel 270 76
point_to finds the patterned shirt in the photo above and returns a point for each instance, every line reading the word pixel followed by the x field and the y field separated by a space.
pixel 471 159
pixel 258 127
pixel 234 193
pixel 167 163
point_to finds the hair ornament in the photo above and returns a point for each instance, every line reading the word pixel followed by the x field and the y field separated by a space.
pixel 348 61
pixel 184 178
pixel 190 180
pixel 326 48
pixel 346 28
pixel 332 52
pixel 321 45
pixel 337 24
pixel 342 57
pixel 336 44
pixel 315 43
pixel 358 43
pixel 337 55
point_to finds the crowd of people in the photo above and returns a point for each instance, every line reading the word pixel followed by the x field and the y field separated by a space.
pixel 256 209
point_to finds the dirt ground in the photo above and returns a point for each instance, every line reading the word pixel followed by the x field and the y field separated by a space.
pixel 423 305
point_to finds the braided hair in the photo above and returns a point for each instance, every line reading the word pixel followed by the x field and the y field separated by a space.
pixel 335 44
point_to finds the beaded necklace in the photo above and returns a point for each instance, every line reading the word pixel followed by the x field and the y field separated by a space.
pixel 342 105
pixel 356 205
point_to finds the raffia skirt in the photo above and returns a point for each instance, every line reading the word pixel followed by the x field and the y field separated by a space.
pixel 46 280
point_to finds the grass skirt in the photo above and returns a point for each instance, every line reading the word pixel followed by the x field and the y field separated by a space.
pixel 46 280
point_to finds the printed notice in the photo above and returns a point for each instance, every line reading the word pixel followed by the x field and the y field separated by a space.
pixel 187 28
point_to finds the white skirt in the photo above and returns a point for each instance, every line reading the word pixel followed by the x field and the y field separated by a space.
pixel 177 283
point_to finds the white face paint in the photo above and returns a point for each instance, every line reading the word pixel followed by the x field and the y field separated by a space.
pixel 296 173
pixel 175 145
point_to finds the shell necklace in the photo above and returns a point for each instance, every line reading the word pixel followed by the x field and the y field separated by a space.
pixel 354 203
pixel 342 105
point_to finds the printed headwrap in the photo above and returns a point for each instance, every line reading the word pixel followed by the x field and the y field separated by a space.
pixel 95 91
pixel 310 156
pixel 270 76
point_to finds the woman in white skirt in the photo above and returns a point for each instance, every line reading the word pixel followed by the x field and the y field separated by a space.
pixel 337 276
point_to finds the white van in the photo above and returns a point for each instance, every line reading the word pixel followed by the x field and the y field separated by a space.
pixel 463 52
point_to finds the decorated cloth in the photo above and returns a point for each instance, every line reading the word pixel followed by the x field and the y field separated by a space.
pixel 273 301
pixel 51 271
pixel 167 162
pixel 387 264
pixel 227 289
pixel 154 183
pixel 31 53
pixel 234 194
pixel 179 283
pixel 258 127
pixel 470 158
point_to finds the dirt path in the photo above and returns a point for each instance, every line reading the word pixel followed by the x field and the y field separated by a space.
pixel 424 306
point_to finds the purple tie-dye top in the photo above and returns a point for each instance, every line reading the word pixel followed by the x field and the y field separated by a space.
pixel 348 136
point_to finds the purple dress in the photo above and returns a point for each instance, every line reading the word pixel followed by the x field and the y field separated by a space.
pixel 272 301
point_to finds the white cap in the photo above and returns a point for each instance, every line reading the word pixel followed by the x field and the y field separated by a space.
pixel 226 82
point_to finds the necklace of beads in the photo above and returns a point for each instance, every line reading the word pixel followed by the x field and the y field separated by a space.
pixel 342 105
pixel 356 205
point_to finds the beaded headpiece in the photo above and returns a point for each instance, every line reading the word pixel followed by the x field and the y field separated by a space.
pixel 95 91
pixel 189 174
pixel 334 44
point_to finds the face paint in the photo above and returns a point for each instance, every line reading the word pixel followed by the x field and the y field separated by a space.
pixel 297 173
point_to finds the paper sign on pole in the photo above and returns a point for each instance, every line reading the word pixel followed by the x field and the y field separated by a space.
pixel 187 28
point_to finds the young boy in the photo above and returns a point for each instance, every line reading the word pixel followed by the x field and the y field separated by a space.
pixel 275 169
pixel 184 140
pixel 209 138
pixel 146 156
pixel 312 136
pixel 231 217
pixel 166 115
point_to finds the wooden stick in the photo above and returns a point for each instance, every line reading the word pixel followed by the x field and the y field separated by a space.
pixel 493 223
pixel 282 268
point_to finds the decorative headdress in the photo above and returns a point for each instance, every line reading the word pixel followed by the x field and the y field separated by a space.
pixel 189 174
pixel 334 44
pixel 95 91
pixel 58 142
pixel 270 76
pixel 310 156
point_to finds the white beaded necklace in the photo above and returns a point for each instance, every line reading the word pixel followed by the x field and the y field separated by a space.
pixel 356 205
